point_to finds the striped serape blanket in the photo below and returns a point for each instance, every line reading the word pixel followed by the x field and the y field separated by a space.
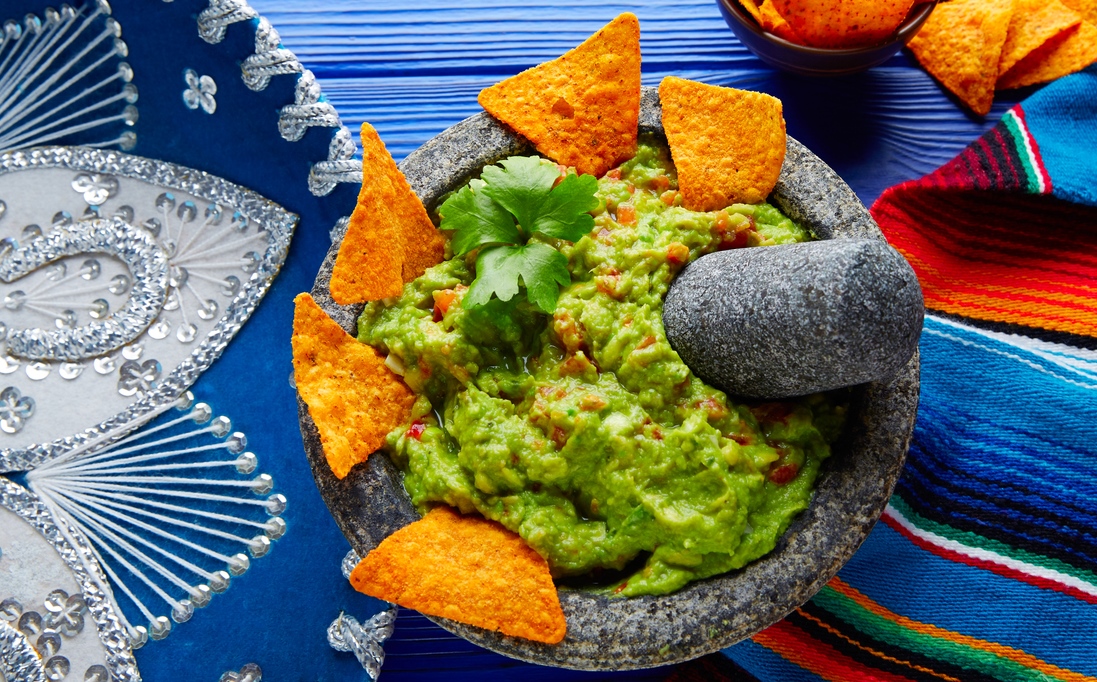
pixel 984 565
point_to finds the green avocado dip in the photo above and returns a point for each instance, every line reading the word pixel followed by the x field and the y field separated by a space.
pixel 583 431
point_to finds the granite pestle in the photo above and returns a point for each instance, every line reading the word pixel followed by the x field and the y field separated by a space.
pixel 795 319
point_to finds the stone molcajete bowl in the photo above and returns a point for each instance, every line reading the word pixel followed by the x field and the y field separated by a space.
pixel 618 633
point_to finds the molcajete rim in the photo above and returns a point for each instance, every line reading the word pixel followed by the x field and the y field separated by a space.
pixel 616 634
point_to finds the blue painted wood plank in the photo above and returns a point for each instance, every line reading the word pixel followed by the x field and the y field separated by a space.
pixel 412 72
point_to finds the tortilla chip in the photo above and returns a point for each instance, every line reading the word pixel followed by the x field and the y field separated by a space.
pixel 467 569
pixel 773 22
pixel 1034 22
pixel 1087 8
pixel 583 108
pixel 751 6
pixel 728 145
pixel 390 239
pixel 960 45
pixel 352 397
pixel 769 19
pixel 843 23
pixel 1065 54
pixel 370 261
pixel 421 243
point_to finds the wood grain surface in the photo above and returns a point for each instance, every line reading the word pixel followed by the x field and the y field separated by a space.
pixel 415 71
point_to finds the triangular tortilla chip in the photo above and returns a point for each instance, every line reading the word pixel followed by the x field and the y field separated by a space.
pixel 843 23
pixel 370 261
pixel 583 108
pixel 352 397
pixel 390 239
pixel 467 569
pixel 1064 54
pixel 1087 8
pixel 960 45
pixel 728 145
pixel 1034 22
pixel 421 243
pixel 769 19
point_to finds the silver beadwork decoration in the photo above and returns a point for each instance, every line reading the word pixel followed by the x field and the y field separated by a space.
pixel 95 187
pixel 251 672
pixel 38 370
pixel 57 667
pixel 104 365
pixel 340 166
pixel 97 673
pixel 339 229
pixel 200 91
pixel 365 640
pixel 18 659
pixel 270 58
pixel 115 237
pixel 231 286
pixel 307 110
pixel 134 377
pixel 53 59
pixel 220 14
pixel 274 224
pixel 94 489
pixel 92 603
pixel 15 410
pixel 133 351
pixel 349 562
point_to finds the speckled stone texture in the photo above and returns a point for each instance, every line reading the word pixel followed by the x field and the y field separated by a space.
pixel 795 319
pixel 603 634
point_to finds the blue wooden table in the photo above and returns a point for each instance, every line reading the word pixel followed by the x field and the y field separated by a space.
pixel 413 72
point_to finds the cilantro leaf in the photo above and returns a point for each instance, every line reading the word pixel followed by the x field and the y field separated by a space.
pixel 521 187
pixel 564 212
pixel 498 213
pixel 477 220
pixel 542 269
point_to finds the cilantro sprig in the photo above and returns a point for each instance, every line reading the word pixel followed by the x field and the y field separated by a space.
pixel 499 213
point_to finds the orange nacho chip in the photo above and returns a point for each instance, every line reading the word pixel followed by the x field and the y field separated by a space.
pixel 770 19
pixel 421 243
pixel 1034 22
pixel 843 23
pixel 369 264
pixel 583 108
pixel 1087 8
pixel 960 45
pixel 467 569
pixel 1065 54
pixel 390 239
pixel 352 397
pixel 717 163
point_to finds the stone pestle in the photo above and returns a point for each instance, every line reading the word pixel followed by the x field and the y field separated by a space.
pixel 795 319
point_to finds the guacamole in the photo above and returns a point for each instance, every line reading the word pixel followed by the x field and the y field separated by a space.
pixel 583 431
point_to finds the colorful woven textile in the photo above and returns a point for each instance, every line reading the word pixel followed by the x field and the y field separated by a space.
pixel 984 566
